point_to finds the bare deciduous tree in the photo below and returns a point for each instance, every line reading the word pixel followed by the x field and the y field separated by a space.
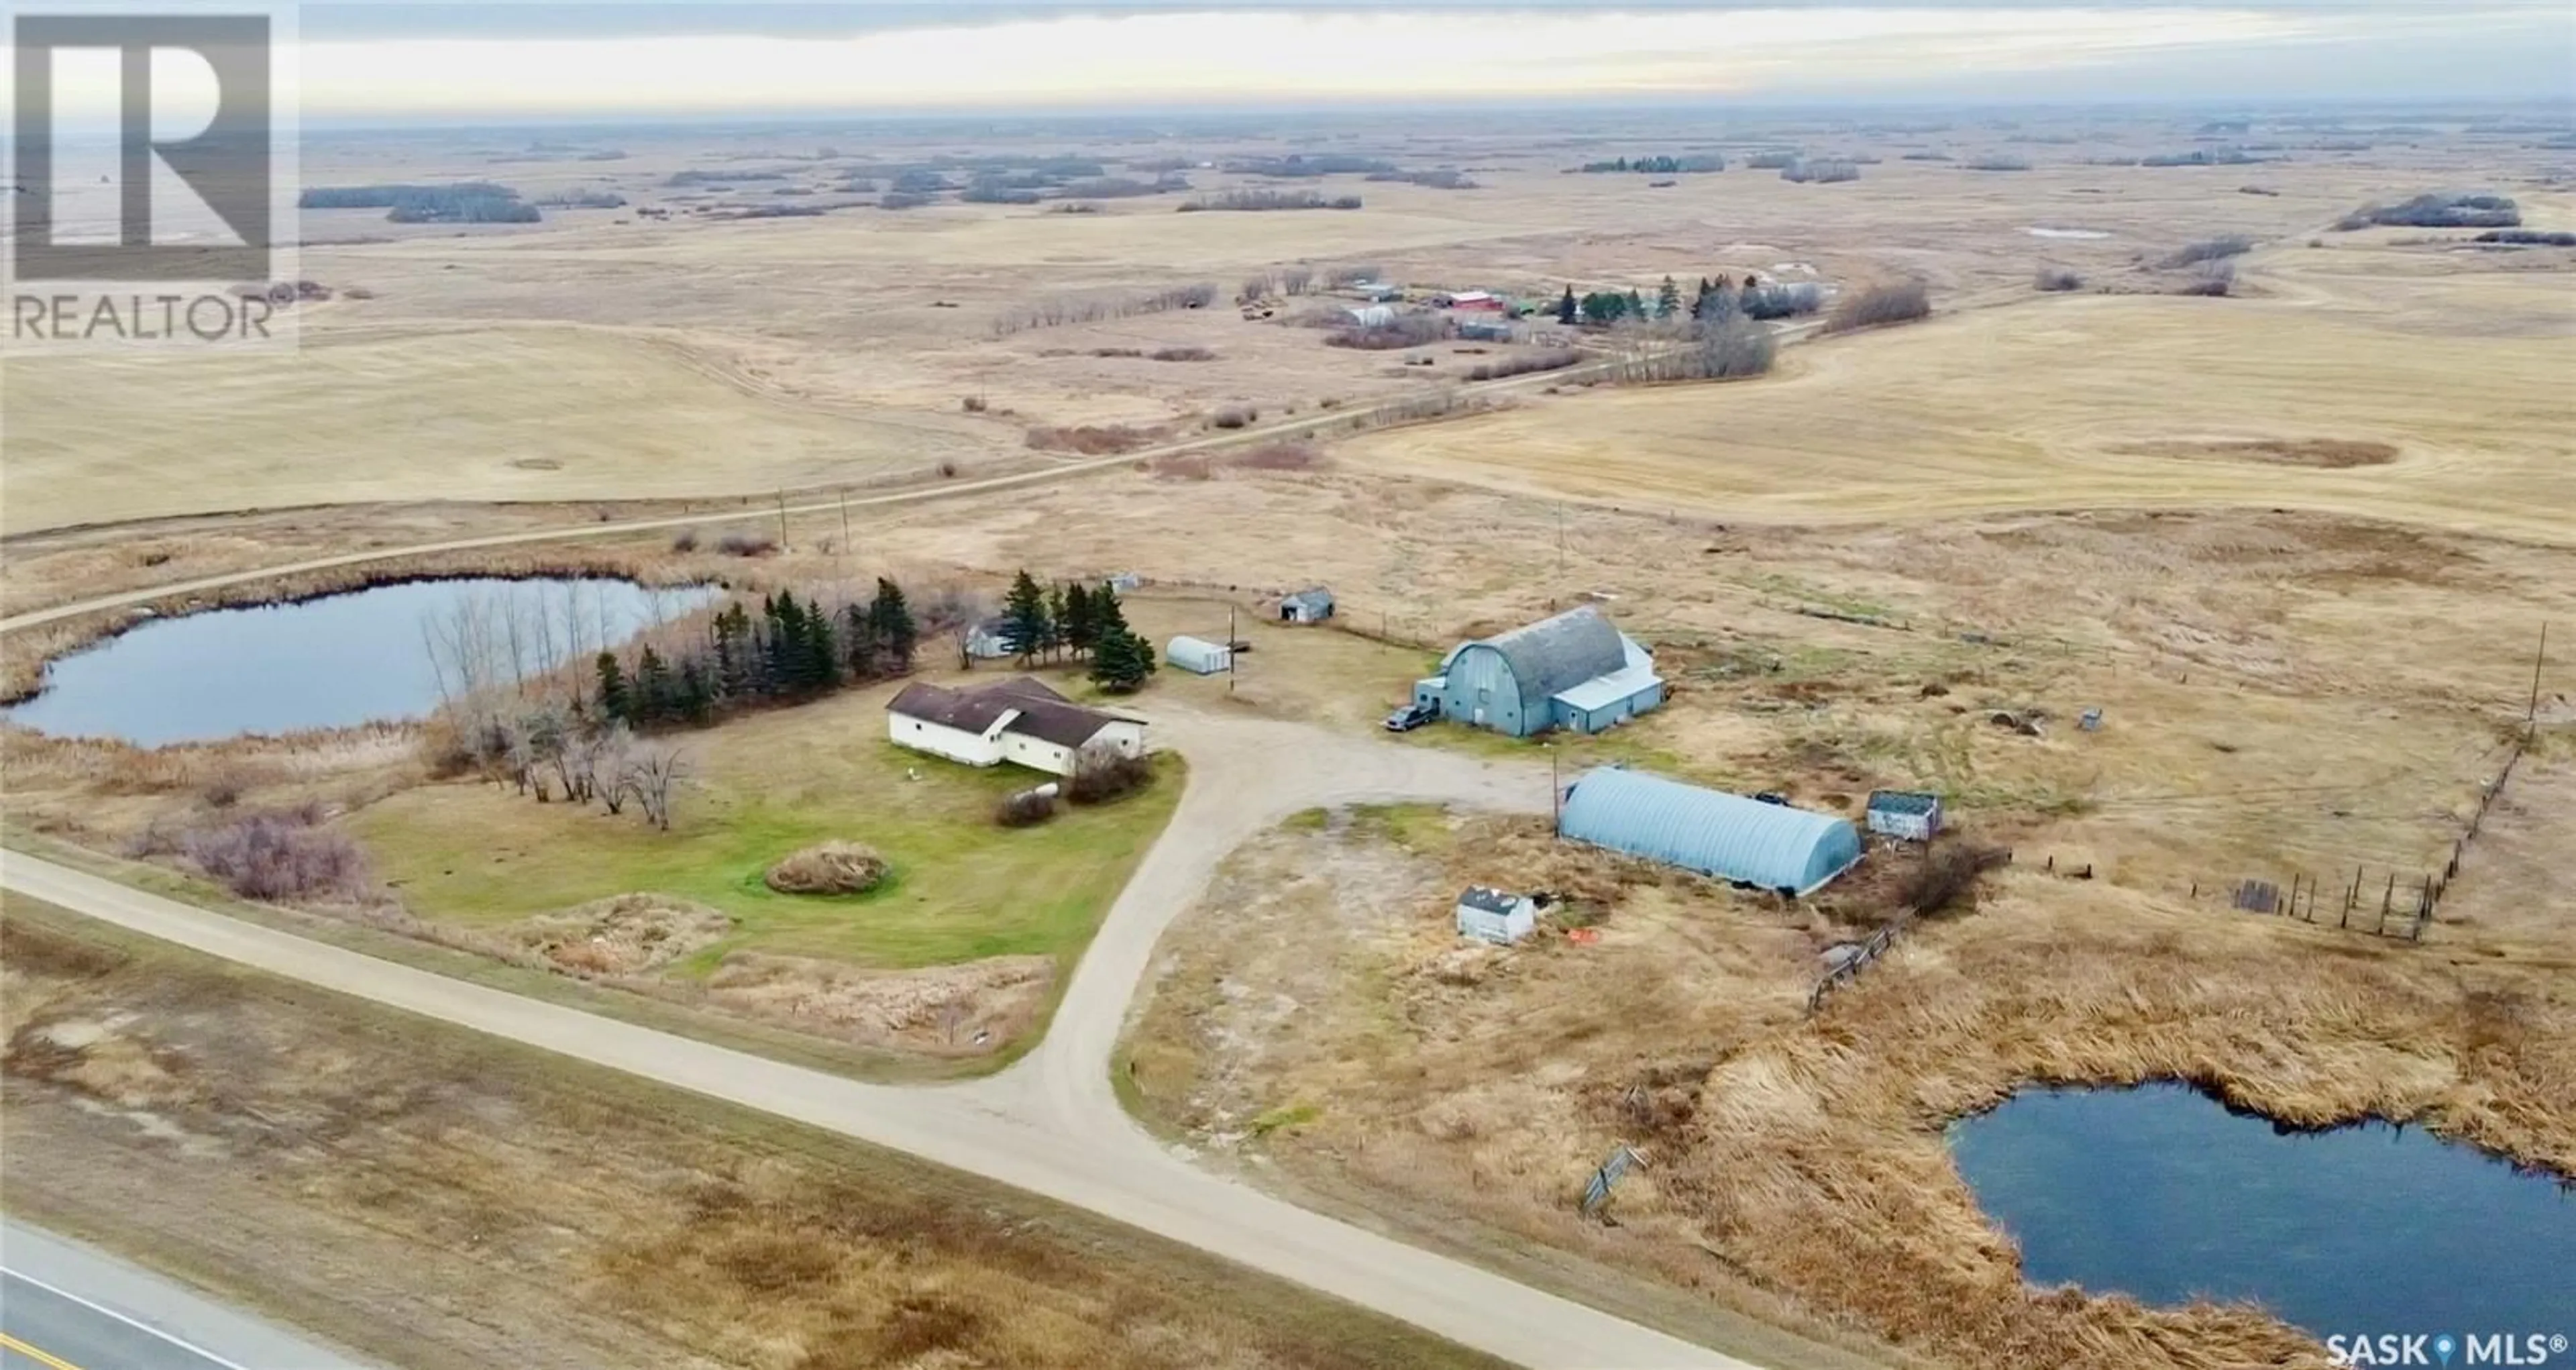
pixel 650 776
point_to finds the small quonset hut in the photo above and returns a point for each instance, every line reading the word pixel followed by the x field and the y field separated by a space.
pixel 1725 835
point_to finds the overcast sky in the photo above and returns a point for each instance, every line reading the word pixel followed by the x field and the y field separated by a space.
pixel 388 62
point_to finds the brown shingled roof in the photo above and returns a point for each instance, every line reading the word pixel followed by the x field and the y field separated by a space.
pixel 1043 714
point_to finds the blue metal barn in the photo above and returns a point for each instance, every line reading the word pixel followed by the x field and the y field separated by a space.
pixel 1572 671
pixel 1724 835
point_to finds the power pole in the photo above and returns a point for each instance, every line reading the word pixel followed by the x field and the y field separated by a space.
pixel 1560 538
pixel 845 519
pixel 782 518
pixel 1229 649
pixel 2531 717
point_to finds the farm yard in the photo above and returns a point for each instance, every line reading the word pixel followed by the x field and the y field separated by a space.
pixel 2167 593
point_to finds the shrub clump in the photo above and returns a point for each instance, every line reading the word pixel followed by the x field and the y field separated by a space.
pixel 2056 278
pixel 1234 416
pixel 1947 879
pixel 740 544
pixel 1257 200
pixel 2208 250
pixel 834 867
pixel 2526 237
pixel 1523 363
pixel 1025 809
pixel 1896 302
pixel 2437 211
pixel 1098 779
pixel 1181 354
pixel 1822 172
pixel 2213 279
pixel 1093 440
pixel 274 856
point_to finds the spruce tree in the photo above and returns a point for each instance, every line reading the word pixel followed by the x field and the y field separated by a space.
pixel 1056 616
pixel 652 690
pixel 1080 630
pixel 1636 304
pixel 1024 618
pixel 859 642
pixel 737 661
pixel 696 700
pixel 1121 660
pixel 1668 300
pixel 896 634
pixel 616 702
pixel 1567 311
pixel 821 657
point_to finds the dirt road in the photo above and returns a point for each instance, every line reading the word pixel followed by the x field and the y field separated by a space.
pixel 1051 1125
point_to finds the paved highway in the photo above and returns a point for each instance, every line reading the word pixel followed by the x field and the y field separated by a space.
pixel 1051 1125
pixel 65 1306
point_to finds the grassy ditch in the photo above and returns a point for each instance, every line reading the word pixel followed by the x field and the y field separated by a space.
pixel 362 1172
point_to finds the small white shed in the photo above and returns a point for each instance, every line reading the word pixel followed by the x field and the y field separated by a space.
pixel 1492 915
pixel 1908 814
pixel 1199 656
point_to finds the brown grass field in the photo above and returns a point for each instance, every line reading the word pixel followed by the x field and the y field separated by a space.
pixel 329 1161
pixel 600 355
pixel 2101 402
pixel 1318 1022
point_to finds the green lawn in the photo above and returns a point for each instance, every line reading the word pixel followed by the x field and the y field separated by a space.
pixel 962 888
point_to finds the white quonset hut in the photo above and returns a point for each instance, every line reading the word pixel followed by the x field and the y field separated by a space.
pixel 1491 915
pixel 1572 671
pixel 1772 846
pixel 1199 656
pixel 1018 720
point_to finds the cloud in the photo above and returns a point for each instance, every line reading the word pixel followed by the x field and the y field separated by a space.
pixel 1276 53
pixel 496 62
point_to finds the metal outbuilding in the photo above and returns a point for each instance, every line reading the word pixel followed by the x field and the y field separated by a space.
pixel 1725 835
pixel 1199 656
pixel 1576 670
pixel 1910 814
pixel 1497 916
pixel 1306 606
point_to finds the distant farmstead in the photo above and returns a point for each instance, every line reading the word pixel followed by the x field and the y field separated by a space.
pixel 1018 720
pixel 1573 671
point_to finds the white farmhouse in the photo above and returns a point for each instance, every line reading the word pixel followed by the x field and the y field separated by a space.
pixel 1018 720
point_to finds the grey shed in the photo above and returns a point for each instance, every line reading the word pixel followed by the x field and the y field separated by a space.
pixel 1306 606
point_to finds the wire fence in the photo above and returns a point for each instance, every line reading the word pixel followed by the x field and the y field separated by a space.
pixel 2407 900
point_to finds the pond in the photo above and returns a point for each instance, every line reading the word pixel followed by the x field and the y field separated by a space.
pixel 333 662
pixel 2162 1193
